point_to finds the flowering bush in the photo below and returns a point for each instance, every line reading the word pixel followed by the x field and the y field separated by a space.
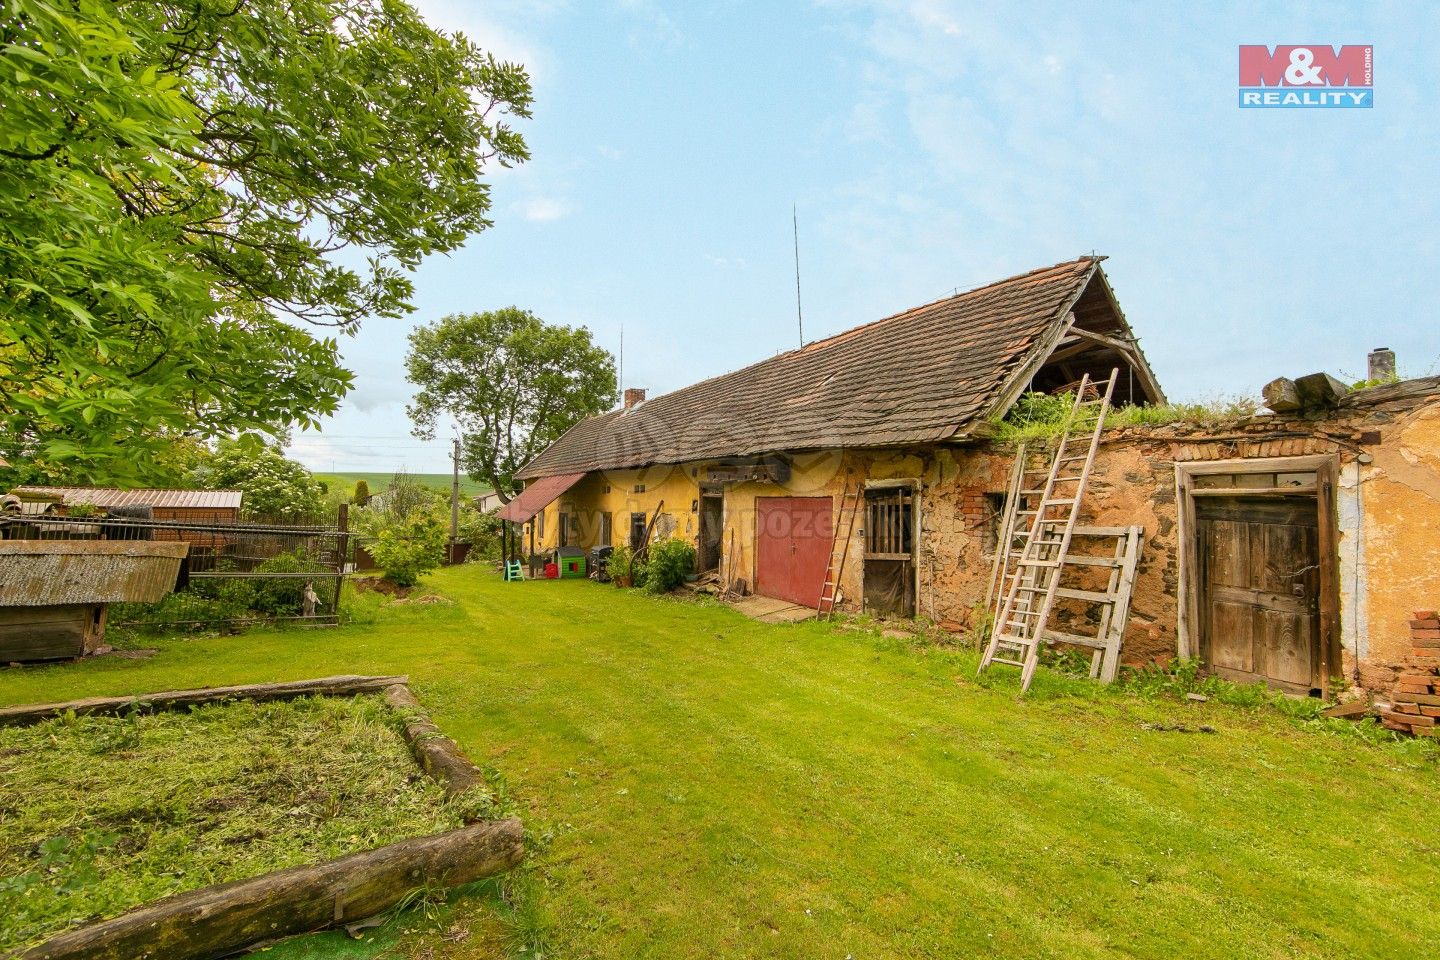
pixel 275 487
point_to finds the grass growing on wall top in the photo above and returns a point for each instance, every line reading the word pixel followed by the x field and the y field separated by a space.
pixel 1041 416
pixel 100 814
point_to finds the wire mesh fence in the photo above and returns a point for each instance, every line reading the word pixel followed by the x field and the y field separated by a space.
pixel 236 572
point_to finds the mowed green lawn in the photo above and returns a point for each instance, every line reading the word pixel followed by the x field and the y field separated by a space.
pixel 699 785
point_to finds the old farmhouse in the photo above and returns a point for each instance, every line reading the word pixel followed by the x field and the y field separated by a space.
pixel 1288 548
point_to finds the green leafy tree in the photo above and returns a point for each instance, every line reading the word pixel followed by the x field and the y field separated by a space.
pixel 362 493
pixel 407 549
pixel 189 187
pixel 512 382
pixel 275 487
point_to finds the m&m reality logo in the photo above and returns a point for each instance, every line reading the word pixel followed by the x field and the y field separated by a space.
pixel 1307 76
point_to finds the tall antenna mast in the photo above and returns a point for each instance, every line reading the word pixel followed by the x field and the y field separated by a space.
pixel 799 314
pixel 622 356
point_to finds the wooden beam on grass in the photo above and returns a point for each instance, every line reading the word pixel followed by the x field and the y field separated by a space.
pixel 341 686
pixel 218 921
pixel 437 754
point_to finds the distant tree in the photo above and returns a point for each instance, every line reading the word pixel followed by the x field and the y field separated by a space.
pixel 275 487
pixel 362 493
pixel 407 496
pixel 512 382
pixel 178 179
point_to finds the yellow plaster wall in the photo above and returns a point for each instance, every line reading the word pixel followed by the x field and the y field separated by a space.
pixel 672 490
pixel 1400 502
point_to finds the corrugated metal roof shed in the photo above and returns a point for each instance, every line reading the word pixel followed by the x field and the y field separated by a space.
pixel 42 573
pixel 107 497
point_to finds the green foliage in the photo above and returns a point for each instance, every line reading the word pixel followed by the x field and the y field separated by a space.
pixel 106 813
pixel 408 548
pixel 184 186
pixel 82 510
pixel 275 487
pixel 483 532
pixel 1391 380
pixel 668 563
pixel 512 382
pixel 406 496
pixel 621 564
pixel 362 493
pixel 1041 416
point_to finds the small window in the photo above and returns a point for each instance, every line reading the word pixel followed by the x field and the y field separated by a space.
pixel 637 530
pixel 639 488
pixel 606 519
pixel 540 525
pixel 889 518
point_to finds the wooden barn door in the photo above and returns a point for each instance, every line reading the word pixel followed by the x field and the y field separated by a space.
pixel 792 547
pixel 1259 568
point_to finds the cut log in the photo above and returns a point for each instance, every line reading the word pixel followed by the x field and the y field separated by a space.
pixel 1281 395
pixel 180 699
pixel 221 920
pixel 1320 390
pixel 436 753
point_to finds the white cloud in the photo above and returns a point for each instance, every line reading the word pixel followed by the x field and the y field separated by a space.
pixel 544 209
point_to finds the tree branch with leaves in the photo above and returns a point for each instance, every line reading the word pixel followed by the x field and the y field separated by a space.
pixel 512 383
pixel 177 178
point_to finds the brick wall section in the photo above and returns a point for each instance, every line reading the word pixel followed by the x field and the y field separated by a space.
pixel 1415 702
pixel 972 508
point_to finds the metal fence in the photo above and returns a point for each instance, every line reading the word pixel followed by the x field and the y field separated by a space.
pixel 236 572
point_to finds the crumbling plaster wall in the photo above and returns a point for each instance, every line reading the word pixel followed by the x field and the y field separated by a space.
pixel 1399 501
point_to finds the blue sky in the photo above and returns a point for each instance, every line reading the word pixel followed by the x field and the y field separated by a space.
pixel 931 146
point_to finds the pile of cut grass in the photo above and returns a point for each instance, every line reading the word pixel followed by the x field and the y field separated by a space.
pixel 101 814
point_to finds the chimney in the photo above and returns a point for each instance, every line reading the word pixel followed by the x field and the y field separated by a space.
pixel 1382 364
pixel 634 396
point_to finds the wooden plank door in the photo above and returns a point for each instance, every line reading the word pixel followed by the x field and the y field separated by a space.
pixel 1259 589
pixel 792 547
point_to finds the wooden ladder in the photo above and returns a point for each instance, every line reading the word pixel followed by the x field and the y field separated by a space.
pixel 1113 602
pixel 1032 576
pixel 850 502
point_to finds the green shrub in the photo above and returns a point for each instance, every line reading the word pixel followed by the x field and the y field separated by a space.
pixel 362 493
pixel 284 597
pixel 484 532
pixel 668 564
pixel 406 549
pixel 621 563
pixel 182 610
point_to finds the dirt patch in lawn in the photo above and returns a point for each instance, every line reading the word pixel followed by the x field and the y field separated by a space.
pixel 100 814
pixel 378 585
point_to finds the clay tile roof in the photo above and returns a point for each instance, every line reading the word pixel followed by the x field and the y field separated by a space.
pixel 916 377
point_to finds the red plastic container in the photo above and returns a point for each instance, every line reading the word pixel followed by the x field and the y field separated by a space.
pixel 552 571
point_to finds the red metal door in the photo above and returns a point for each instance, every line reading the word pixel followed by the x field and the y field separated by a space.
pixel 792 547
